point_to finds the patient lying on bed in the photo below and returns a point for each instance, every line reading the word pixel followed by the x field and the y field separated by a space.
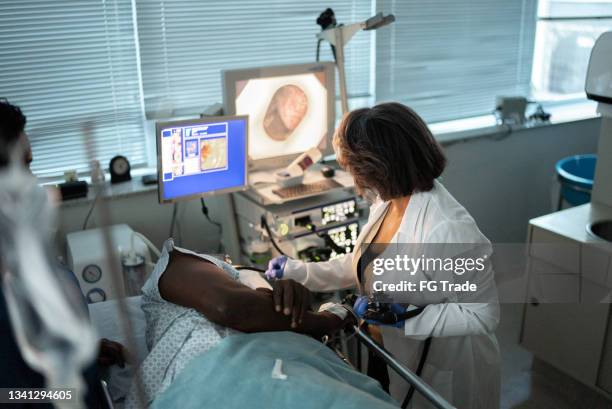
pixel 194 302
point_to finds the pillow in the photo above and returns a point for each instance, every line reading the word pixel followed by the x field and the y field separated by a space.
pixel 253 279
pixel 106 321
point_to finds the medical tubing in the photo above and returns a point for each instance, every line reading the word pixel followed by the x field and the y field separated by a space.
pixel 173 221
pixel 241 267
pixel 264 223
pixel 116 274
pixel 330 242
pixel 391 318
pixel 427 391
pixel 148 243
pixel 419 371
pixel 90 211
pixel 211 221
pixel 216 224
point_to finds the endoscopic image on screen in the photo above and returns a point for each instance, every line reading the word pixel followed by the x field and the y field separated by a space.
pixel 287 114
pixel 213 154
pixel 286 110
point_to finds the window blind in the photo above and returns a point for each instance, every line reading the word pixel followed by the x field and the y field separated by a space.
pixel 65 62
pixel 185 44
pixel 449 59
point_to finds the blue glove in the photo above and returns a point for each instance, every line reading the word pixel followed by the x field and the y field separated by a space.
pixel 361 306
pixel 276 267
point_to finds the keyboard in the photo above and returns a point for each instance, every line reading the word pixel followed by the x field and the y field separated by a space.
pixel 306 189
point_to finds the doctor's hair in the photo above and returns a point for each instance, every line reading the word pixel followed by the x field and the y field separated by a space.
pixel 12 124
pixel 389 149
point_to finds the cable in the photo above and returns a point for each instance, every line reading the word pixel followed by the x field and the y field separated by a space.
pixel 241 267
pixel 219 225
pixel 179 231
pixel 173 222
pixel 90 211
pixel 264 223
pixel 148 242
pixel 331 243
pixel 179 226
pixel 419 371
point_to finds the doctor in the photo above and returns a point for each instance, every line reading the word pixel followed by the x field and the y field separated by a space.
pixel 390 152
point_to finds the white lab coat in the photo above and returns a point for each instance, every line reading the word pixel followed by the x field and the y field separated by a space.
pixel 463 363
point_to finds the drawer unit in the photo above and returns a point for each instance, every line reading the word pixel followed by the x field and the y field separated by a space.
pixel 567 321
pixel 555 250
pixel 570 337
pixel 594 264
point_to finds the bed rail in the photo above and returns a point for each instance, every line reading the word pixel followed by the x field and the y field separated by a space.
pixel 419 385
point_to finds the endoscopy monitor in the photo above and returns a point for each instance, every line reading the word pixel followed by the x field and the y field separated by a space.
pixel 201 157
pixel 291 109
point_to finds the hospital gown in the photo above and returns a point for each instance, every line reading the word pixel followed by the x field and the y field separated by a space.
pixel 175 335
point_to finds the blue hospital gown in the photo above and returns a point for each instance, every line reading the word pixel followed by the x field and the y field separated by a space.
pixel 175 334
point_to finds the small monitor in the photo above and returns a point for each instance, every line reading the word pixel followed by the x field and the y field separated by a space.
pixel 291 109
pixel 201 157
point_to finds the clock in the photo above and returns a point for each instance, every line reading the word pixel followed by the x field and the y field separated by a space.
pixel 119 168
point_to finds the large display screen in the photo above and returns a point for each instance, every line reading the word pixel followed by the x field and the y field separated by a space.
pixel 287 114
pixel 202 157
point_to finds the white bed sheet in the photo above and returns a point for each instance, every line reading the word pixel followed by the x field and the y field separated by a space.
pixel 105 318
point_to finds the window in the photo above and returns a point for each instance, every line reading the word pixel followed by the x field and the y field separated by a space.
pixel 566 32
pixel 67 62
pixel 117 62
pixel 185 44
pixel 449 59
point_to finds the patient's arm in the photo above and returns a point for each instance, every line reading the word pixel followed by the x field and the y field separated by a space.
pixel 195 283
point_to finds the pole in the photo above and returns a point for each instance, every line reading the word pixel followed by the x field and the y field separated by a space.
pixel 341 71
pixel 424 389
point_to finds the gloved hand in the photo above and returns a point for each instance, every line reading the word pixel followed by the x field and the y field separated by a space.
pixel 361 306
pixel 276 267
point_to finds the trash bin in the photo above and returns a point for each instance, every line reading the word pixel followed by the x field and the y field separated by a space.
pixel 576 173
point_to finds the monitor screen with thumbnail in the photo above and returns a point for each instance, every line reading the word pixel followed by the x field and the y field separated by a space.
pixel 201 157
pixel 290 109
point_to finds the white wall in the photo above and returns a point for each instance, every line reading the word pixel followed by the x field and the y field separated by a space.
pixel 144 214
pixel 503 182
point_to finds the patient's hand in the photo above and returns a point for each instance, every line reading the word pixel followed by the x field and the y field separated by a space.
pixel 291 298
pixel 110 353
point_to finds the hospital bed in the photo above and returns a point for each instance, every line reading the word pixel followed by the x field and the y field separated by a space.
pixel 104 316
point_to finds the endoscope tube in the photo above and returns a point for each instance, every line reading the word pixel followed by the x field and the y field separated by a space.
pixel 265 225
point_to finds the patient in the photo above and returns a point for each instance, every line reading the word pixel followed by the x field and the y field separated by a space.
pixel 192 302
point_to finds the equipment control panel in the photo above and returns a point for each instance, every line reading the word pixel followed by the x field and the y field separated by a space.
pixel 314 229
pixel 305 221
